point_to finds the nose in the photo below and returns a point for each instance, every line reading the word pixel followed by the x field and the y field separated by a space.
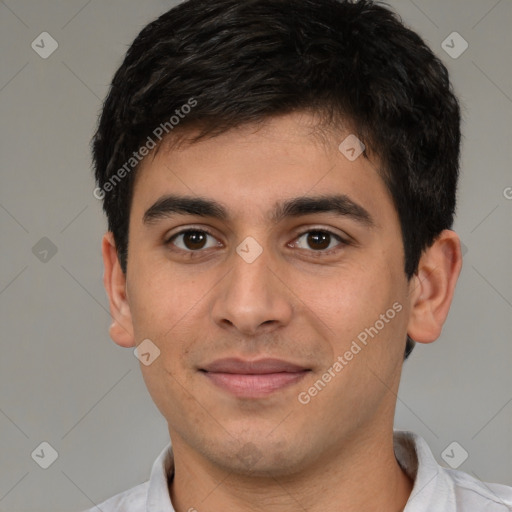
pixel 252 298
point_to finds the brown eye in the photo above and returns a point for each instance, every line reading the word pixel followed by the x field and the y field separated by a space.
pixel 318 240
pixel 192 240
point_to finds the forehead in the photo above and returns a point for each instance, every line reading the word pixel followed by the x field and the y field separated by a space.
pixel 255 168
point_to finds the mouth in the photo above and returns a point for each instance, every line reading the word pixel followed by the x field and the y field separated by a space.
pixel 253 379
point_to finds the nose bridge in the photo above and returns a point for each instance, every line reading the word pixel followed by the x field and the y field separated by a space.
pixel 251 295
pixel 250 278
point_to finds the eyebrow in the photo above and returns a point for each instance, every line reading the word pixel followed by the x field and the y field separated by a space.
pixel 341 205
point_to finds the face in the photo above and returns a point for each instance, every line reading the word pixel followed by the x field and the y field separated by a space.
pixel 279 303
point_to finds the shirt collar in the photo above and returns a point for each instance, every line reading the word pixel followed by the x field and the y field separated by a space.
pixel 416 459
pixel 161 473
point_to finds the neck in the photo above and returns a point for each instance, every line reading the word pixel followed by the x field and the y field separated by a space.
pixel 362 475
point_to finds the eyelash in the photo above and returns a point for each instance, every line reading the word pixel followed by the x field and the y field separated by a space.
pixel 342 242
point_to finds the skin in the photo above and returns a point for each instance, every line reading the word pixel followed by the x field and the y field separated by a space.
pixel 294 302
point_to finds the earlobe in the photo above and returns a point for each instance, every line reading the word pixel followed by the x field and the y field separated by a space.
pixel 432 288
pixel 114 280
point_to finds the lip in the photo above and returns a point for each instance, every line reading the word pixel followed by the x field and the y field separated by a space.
pixel 253 379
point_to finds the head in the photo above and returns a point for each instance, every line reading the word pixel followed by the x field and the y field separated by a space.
pixel 239 121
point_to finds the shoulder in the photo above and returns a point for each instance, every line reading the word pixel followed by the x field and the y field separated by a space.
pixel 481 496
pixel 440 489
pixel 151 495
pixel 132 500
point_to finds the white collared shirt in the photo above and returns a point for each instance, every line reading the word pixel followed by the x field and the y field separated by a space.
pixel 436 489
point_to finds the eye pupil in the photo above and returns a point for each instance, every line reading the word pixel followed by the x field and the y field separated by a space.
pixel 319 240
pixel 194 239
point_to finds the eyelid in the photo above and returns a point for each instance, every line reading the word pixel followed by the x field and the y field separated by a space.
pixel 343 240
pixel 308 229
pixel 168 240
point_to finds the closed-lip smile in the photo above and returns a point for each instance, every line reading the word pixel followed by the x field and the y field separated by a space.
pixel 255 378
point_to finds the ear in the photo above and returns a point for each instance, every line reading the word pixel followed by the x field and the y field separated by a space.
pixel 432 287
pixel 121 329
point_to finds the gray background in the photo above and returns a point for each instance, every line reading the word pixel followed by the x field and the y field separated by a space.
pixel 62 380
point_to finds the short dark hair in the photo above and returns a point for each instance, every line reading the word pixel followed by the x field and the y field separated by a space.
pixel 244 62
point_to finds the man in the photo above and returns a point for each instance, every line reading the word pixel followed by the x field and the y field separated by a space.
pixel 279 178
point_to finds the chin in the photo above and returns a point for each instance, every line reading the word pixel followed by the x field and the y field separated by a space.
pixel 257 456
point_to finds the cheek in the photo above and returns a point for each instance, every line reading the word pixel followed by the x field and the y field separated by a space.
pixel 166 390
pixel 340 297
pixel 170 311
pixel 352 303
pixel 161 299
